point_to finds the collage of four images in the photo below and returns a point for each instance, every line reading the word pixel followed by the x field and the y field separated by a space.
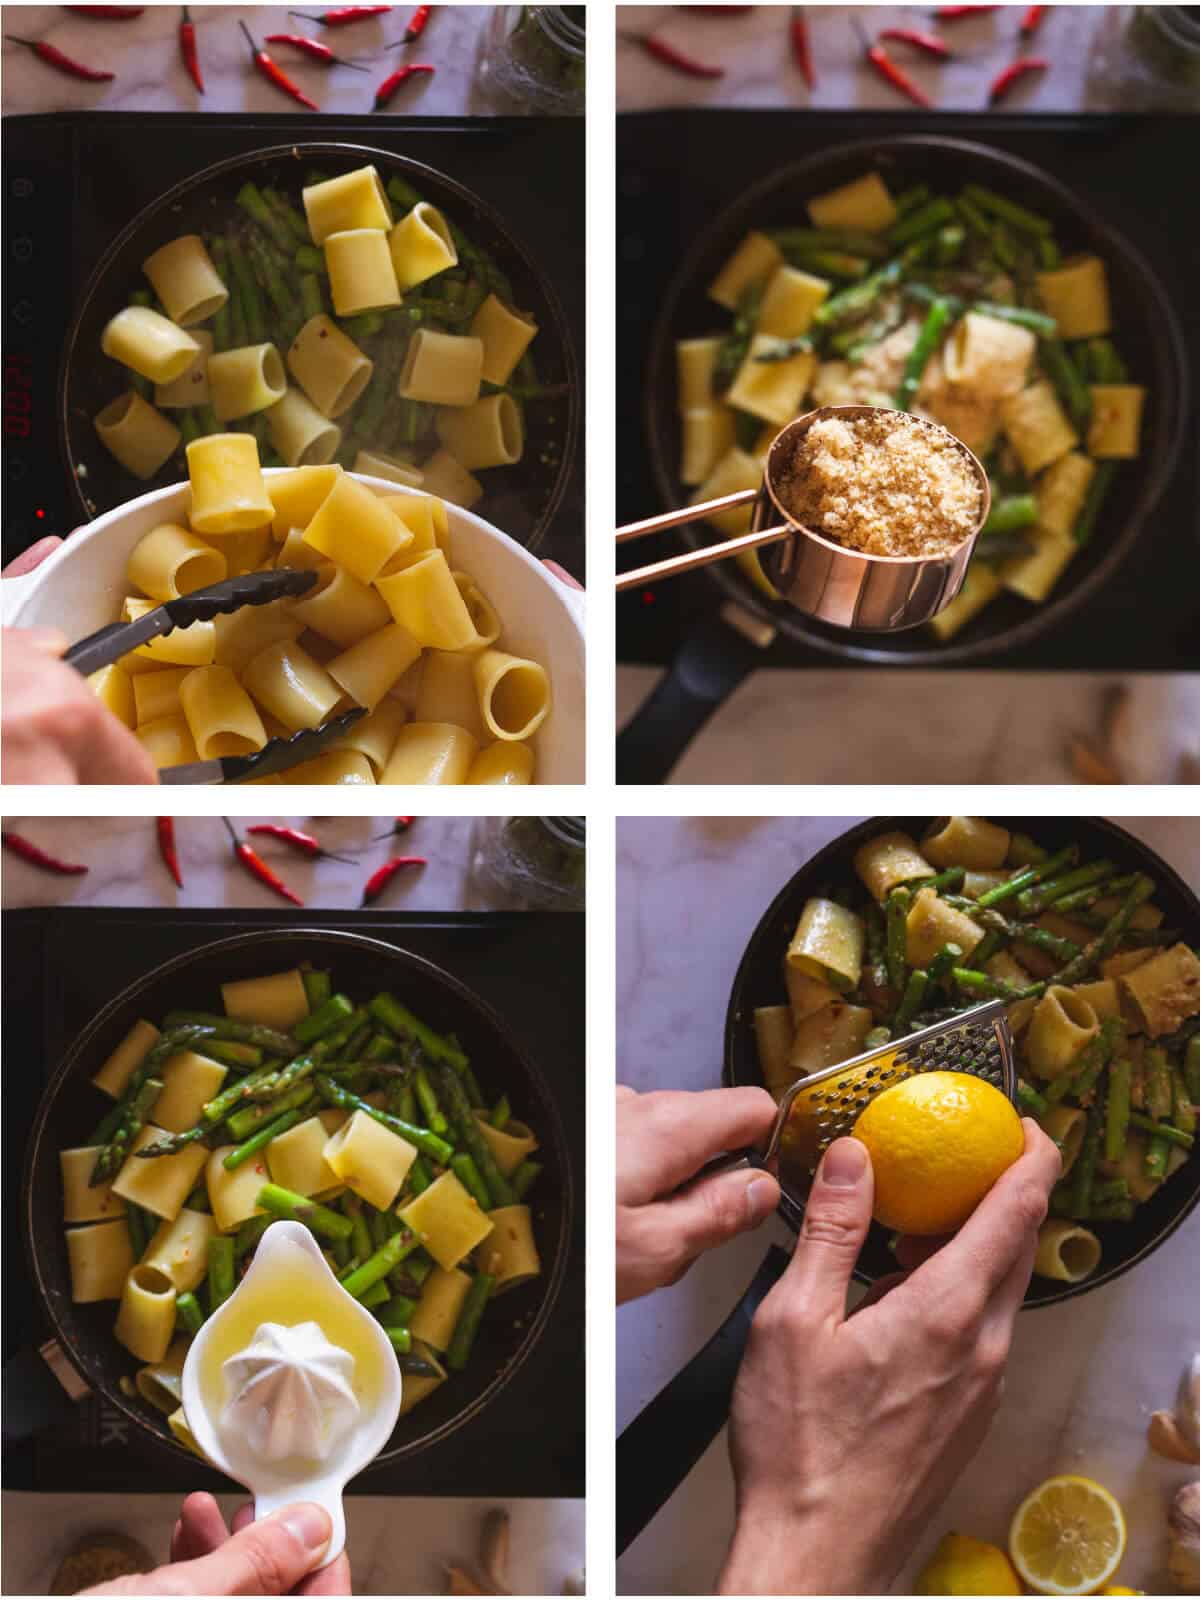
pixel 891 1117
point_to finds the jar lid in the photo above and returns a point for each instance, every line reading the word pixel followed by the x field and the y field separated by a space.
pixel 567 830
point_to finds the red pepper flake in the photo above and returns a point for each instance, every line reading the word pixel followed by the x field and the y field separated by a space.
pixel 383 876
pixel 165 827
pixel 402 75
pixel 61 62
pixel 257 867
pixel 36 856
pixel 1013 73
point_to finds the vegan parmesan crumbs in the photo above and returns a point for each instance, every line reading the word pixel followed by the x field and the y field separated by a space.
pixel 887 484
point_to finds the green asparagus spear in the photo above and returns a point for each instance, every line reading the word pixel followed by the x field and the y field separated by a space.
pixel 378 1265
pixel 1075 395
pixel 428 1101
pixel 732 351
pixel 895 912
pixel 940 965
pixel 931 332
pixel 985 988
pixel 322 1220
pixel 255 207
pixel 328 1016
pixel 1164 1131
pixel 915 990
pixel 221 1270
pixel 1030 1100
pixel 501 1113
pixel 1159 1084
pixel 927 219
pixel 909 199
pixel 288 215
pixel 873 919
pixel 469 1321
pixel 1075 971
pixel 387 1010
pixel 262 1137
pixel 1048 253
pixel 1084 1171
pixel 136 1109
pixel 463 1118
pixel 1192 1068
pixel 250 1233
pixel 783 350
pixel 1111 1212
pixel 271 1040
pixel 222 322
pixel 188 1315
pixel 1107 366
pixel 1042 895
pixel 361 1242
pixel 1010 513
pixel 431 1145
pixel 419 1177
pixel 248 293
pixel 135 1227
pixel 1184 1114
pixel 309 259
pixel 851 304
pixel 1155 1158
pixel 1117 1109
pixel 318 987
pixel 948 882
pixel 242 1123
pixel 1008 211
pixel 1098 488
pixel 1033 874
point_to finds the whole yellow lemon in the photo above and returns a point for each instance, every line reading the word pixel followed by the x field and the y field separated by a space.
pixel 963 1566
pixel 938 1143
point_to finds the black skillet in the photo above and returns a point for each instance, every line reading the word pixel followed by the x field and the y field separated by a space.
pixel 660 1447
pixel 521 500
pixel 714 660
pixel 361 966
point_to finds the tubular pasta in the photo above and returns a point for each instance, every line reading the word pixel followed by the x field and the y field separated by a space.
pixel 355 200
pixel 707 433
pixel 695 360
pixel 756 258
pixel 246 380
pixel 286 680
pixel 447 478
pixel 489 434
pixel 828 1037
pixel 889 860
pixel 182 647
pixel 229 495
pixel 168 740
pixel 188 1082
pixel 113 688
pixel 509 1146
pixel 442 1298
pixel 514 694
pixel 373 465
pixel 509 1253
pixel 789 302
pixel 243 634
pixel 774 1034
pixel 503 762
pixel 1077 296
pixel 300 433
pixel 368 670
pixel 864 204
pixel 184 279
pixel 191 388
pixel 505 335
pixel 146 1319
pixel 179 1249
pixel 421 247
pixel 83 1201
pixel 357 530
pixel 1062 1025
pixel 443 369
pixel 430 753
pixel 333 767
pixel 1034 575
pixel 340 608
pixel 100 1259
pixel 772 390
pixel 1113 434
pixel 373 737
pixel 160 1185
pixel 447 1220
pixel 425 600
pixel 828 943
pixel 277 1000
pixel 1059 493
pixel 447 692
pixel 149 343
pixel 140 438
pixel 171 561
pixel 1066 1251
pixel 1037 426
pixel 328 366
pixel 361 275
pixel 484 619
pixel 971 842
pixel 220 714
pixel 115 1071
pixel 296 495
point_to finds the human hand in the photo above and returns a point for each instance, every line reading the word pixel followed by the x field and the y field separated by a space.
pixel 662 1140
pixel 268 1558
pixel 848 1431
pixel 561 574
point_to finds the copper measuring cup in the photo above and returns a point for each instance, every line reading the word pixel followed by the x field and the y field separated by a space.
pixel 843 587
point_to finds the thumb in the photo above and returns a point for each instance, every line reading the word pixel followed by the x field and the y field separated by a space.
pixel 715 1209
pixel 838 1214
pixel 266 1558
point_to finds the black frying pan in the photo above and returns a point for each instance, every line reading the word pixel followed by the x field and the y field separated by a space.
pixel 521 500
pixel 662 1444
pixel 71 1106
pixel 715 660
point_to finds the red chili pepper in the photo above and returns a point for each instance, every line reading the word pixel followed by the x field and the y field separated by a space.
pixel 929 43
pixel 676 59
pixel 187 49
pixel 275 74
pixel 343 16
pixel 257 867
pixel 417 27
pixel 315 49
pixel 62 63
pixel 402 75
pixel 383 876
pixel 799 33
pixel 889 70
pixel 1008 76
pixel 300 841
pixel 400 826
pixel 166 847
pixel 36 856
pixel 108 13
pixel 957 13
pixel 1034 15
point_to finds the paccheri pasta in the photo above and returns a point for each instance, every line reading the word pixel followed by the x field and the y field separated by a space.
pixel 961 310
pixel 354 1118
pixel 386 610
pixel 356 327
pixel 1103 1001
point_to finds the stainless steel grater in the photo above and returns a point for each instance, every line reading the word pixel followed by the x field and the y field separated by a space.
pixel 825 1105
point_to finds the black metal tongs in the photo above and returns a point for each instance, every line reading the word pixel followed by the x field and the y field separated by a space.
pixel 115 640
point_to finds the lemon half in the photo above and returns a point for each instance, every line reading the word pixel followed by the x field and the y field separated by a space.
pixel 1068 1536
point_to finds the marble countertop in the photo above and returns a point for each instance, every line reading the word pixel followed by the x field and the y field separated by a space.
pixel 144 54
pixel 822 726
pixel 1088 69
pixel 1083 1378
pixel 125 870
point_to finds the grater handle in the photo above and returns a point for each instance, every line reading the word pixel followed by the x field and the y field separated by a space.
pixel 658 1450
pixel 730 1162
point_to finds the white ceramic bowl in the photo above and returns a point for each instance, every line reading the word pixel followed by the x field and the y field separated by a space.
pixel 81 587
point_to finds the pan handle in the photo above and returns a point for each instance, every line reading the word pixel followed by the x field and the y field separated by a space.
pixel 658 1450
pixel 710 665
pixel 39 1388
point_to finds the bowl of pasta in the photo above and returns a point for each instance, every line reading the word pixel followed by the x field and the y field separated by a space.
pixel 299 1074
pixel 904 922
pixel 400 621
pixel 961 283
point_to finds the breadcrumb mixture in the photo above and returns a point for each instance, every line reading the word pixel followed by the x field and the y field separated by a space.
pixel 887 485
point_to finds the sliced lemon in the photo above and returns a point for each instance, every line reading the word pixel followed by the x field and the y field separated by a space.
pixel 1068 1536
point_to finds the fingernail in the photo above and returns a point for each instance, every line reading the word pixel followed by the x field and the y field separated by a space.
pixel 760 1200
pixel 309 1523
pixel 844 1164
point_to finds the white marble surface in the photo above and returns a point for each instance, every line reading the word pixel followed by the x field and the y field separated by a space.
pixel 395 1550
pixel 1082 1378
pixel 124 868
pixel 760 70
pixel 144 54
pixel 822 726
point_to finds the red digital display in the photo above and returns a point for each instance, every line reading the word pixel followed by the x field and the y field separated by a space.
pixel 18 397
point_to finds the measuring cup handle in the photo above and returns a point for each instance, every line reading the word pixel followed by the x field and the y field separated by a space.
pixel 686 514
pixel 712 662
pixel 658 1450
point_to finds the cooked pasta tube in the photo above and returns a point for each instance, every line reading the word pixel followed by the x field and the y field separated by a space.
pixel 171 561
pixel 695 361
pixel 83 1201
pixel 220 714
pixel 355 529
pixel 833 1035
pixel 442 1297
pixel 754 261
pixel 161 1383
pixel 228 492
pixel 146 1320
pixel 447 478
pixel 340 608
pixel 505 335
pixel 707 433
pixel 99 1259
pixel 149 343
pixel 509 1253
pixel 424 516
pixel 789 302
pixel 828 943
pixel 368 670
pixel 113 687
pixel 184 279
pixel 115 1070
pixel 1077 296
pixel 447 692
pixel 182 647
pixel 1062 1025
pixel 191 388
pixel 168 740
pixel 297 553
pixel 242 634
pixel 329 367
pixel 443 369
pixel 189 1083
pixel 245 381
pixel 863 204
pixel 374 736
pixel 503 762
pixel 421 247
pixel 489 434
pixel 374 465
pixel 301 434
pixel 425 599
pixel 361 275
pixel 1065 1125
pixel 179 1249
pixel 514 694
pixel 483 614
pixel 806 994
pixel 931 924
pixel 334 767
pixel 296 495
pixel 771 390
pixel 354 200
pixel 277 1000
pixel 774 1034
pixel 430 753
pixel 1066 1251
pixel 509 1146
pixel 140 437
pixel 286 680
pixel 971 842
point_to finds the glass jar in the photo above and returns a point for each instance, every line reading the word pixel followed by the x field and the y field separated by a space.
pixel 534 58
pixel 536 863
pixel 1145 58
